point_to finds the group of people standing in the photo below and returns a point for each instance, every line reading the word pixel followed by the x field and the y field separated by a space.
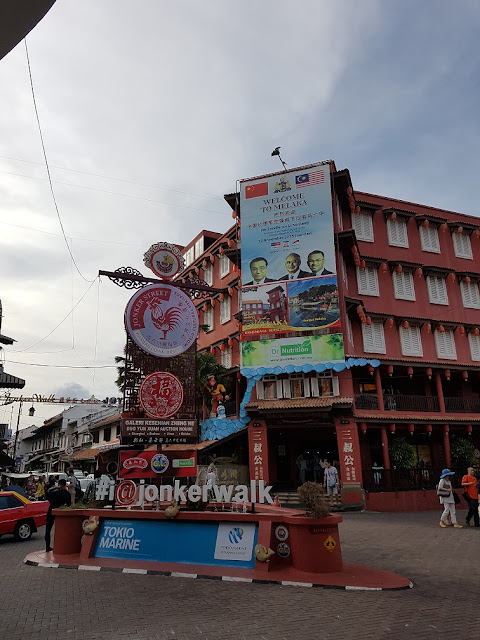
pixel 323 473
pixel 449 498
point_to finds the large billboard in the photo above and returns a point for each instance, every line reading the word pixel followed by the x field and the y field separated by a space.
pixel 290 310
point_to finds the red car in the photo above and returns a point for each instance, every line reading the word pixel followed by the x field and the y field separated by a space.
pixel 20 516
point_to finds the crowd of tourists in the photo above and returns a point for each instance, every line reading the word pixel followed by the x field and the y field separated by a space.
pixel 449 498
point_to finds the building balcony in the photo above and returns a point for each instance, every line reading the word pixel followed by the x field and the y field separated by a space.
pixel 421 404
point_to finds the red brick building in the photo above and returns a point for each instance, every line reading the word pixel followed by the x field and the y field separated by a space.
pixel 408 288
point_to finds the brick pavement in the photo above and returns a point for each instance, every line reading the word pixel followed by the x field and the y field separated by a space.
pixel 443 564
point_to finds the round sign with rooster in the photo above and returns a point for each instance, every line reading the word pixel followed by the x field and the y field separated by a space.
pixel 161 395
pixel 161 320
pixel 164 259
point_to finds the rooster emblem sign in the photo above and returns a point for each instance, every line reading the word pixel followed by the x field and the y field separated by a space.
pixel 161 320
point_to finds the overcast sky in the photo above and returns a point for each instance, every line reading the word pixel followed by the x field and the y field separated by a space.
pixel 150 112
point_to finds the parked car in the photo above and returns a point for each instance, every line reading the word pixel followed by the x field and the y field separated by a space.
pixel 20 516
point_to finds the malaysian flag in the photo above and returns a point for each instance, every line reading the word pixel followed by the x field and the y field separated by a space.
pixel 308 179
pixel 275 244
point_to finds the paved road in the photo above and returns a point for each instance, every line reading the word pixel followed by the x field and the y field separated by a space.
pixel 444 565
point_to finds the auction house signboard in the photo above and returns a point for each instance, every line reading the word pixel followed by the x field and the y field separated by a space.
pixel 289 271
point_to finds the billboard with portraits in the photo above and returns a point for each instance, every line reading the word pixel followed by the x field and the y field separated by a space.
pixel 289 280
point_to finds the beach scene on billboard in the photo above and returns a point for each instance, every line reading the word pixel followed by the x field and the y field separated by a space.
pixel 307 304
pixel 293 351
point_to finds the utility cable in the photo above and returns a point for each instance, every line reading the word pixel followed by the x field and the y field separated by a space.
pixel 47 166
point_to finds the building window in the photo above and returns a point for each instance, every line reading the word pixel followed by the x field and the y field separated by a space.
pixel 350 332
pixel 437 289
pixel 363 226
pixel 199 244
pixel 227 357
pixel 208 318
pixel 403 285
pixel 373 337
pixel 224 266
pixel 324 385
pixel 208 274
pixel 474 346
pixel 107 434
pixel 470 295
pixel 429 239
pixel 367 280
pixel 297 385
pixel 96 437
pixel 225 309
pixel 189 256
pixel 397 233
pixel 411 341
pixel 445 343
pixel 462 245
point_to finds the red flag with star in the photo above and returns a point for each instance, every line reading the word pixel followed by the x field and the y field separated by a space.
pixel 256 190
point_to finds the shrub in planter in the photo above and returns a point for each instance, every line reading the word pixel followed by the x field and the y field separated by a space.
pixel 312 497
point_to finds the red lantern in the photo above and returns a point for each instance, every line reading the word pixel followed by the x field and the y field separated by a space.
pixel 351 202
pixel 428 429
pixel 359 309
pixel 356 260
pixel 211 258
pixel 411 429
pixel 429 373
pixel 419 272
pixel 221 251
pixel 393 217
pixel 230 291
pixel 204 264
pixel 370 369
pixel 197 270
pixel 212 350
pixel 239 273
pixel 363 319
pixel 391 428
pixel 469 429
pixel 452 277
pixel 467 280
pixel 441 328
pixel 368 321
pixel 460 231
pixel 384 267
pixel 205 307
pixel 444 227
pixel 428 327
pixel 461 330
pixel 213 302
pixel 354 249
pixel 477 233
pixel 390 323
pixel 406 325
pixel 447 374
pixel 446 428
pixel 362 264
pixel 357 210
pixel 465 376
pixel 222 347
pixel 363 427
pixel 230 243
pixel 399 268
pixel 476 331
pixel 235 268
pixel 390 370
pixel 349 191
pixel 234 214
pixel 222 297
pixel 230 342
pixel 410 372
pixel 426 224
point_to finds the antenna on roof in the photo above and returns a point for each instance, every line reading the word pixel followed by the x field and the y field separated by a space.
pixel 276 152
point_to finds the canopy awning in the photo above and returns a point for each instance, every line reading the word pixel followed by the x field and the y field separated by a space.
pixel 17 19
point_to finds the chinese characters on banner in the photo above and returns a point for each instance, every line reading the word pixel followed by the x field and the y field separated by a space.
pixel 349 453
pixel 289 270
pixel 258 450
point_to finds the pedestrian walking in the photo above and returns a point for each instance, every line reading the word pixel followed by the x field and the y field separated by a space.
pixel 469 483
pixel 445 493
pixel 57 498
pixel 331 482
pixel 72 484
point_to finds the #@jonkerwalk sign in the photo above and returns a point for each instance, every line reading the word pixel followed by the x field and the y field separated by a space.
pixel 161 320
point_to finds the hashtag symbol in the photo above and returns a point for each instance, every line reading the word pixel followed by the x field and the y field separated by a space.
pixel 102 489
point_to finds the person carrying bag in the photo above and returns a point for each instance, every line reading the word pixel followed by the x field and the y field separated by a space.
pixel 446 494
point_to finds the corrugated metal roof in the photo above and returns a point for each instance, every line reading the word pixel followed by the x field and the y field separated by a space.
pixel 298 403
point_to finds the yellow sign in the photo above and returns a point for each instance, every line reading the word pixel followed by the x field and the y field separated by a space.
pixel 329 544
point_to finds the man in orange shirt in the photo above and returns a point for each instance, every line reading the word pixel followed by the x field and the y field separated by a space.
pixel 469 483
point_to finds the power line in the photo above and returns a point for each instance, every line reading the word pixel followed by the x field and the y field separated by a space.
pixel 59 235
pixel 62 366
pixel 99 175
pixel 115 193
pixel 47 167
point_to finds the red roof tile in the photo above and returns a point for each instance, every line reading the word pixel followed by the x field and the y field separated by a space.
pixel 390 416
pixel 298 403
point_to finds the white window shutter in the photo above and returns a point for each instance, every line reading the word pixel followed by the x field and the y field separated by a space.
pixel 335 386
pixel 429 239
pixel 260 390
pixel 411 341
pixel 279 388
pixel 470 295
pixel 314 387
pixel 373 338
pixel 474 347
pixel 397 232
pixel 367 281
pixel 445 343
pixel 286 388
pixel 437 289
pixel 363 226
pixel 306 387
pixel 462 245
pixel 403 285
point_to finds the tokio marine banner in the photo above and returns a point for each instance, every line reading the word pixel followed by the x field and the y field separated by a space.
pixel 290 307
